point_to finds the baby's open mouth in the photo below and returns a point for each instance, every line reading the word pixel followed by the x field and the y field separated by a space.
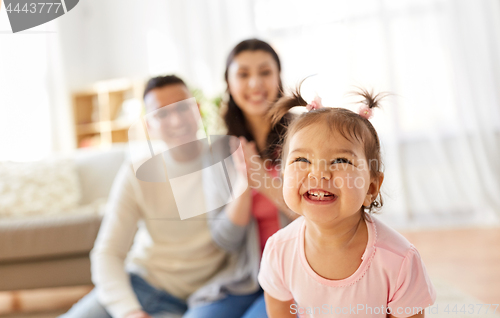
pixel 319 195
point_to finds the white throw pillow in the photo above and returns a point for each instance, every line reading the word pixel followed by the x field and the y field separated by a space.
pixel 38 188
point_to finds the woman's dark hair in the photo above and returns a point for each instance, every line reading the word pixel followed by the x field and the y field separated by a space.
pixel 347 123
pixel 161 81
pixel 233 116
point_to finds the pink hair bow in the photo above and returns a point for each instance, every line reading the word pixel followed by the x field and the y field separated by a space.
pixel 315 104
pixel 365 112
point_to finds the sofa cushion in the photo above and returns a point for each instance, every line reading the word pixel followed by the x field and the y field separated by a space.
pixel 42 187
pixel 45 273
pixel 49 236
pixel 97 170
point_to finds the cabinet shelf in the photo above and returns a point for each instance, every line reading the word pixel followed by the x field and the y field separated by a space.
pixel 99 116
pixel 92 128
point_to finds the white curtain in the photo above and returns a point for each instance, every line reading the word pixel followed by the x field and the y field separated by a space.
pixel 35 113
pixel 192 38
pixel 440 130
pixel 440 58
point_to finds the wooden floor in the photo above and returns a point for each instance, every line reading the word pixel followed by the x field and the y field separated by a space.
pixel 41 300
pixel 466 258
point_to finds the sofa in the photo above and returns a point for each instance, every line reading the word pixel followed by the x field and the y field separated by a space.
pixel 52 250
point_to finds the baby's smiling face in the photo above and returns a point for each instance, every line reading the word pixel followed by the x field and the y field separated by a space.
pixel 326 176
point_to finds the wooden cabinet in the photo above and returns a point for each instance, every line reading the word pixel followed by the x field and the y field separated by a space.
pixel 104 112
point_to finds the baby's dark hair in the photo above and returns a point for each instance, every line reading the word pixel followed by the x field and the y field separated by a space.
pixel 349 124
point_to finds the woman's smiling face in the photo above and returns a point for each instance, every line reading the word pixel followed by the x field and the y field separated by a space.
pixel 253 80
pixel 326 177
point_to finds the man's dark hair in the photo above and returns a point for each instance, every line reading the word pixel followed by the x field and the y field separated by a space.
pixel 161 81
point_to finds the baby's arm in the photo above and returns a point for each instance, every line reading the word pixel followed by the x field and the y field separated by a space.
pixel 420 315
pixel 278 309
pixel 414 288
pixel 278 296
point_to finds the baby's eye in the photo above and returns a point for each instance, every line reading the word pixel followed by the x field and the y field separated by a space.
pixel 301 159
pixel 341 160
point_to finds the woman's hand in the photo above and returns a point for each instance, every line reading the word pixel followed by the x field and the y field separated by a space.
pixel 239 163
pixel 138 314
pixel 261 180
pixel 253 161
pixel 256 171
pixel 239 210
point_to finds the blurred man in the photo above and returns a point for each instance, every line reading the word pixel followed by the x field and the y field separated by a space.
pixel 172 259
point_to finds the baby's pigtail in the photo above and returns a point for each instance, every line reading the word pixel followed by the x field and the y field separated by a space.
pixel 284 104
pixel 280 120
pixel 372 100
pixel 369 101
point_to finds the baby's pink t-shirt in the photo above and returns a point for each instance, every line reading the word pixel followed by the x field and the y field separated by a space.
pixel 391 274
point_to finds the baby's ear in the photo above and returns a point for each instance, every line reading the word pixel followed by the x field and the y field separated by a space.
pixel 380 180
pixel 374 189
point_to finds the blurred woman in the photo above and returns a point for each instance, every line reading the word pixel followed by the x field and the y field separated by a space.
pixel 242 227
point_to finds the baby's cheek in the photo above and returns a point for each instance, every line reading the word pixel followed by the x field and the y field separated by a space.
pixel 353 186
pixel 342 180
pixel 338 181
pixel 291 193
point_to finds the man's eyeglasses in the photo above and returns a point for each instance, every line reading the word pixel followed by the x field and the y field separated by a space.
pixel 182 109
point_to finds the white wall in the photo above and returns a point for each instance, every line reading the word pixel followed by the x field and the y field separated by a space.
pixel 132 38
pixel 102 40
